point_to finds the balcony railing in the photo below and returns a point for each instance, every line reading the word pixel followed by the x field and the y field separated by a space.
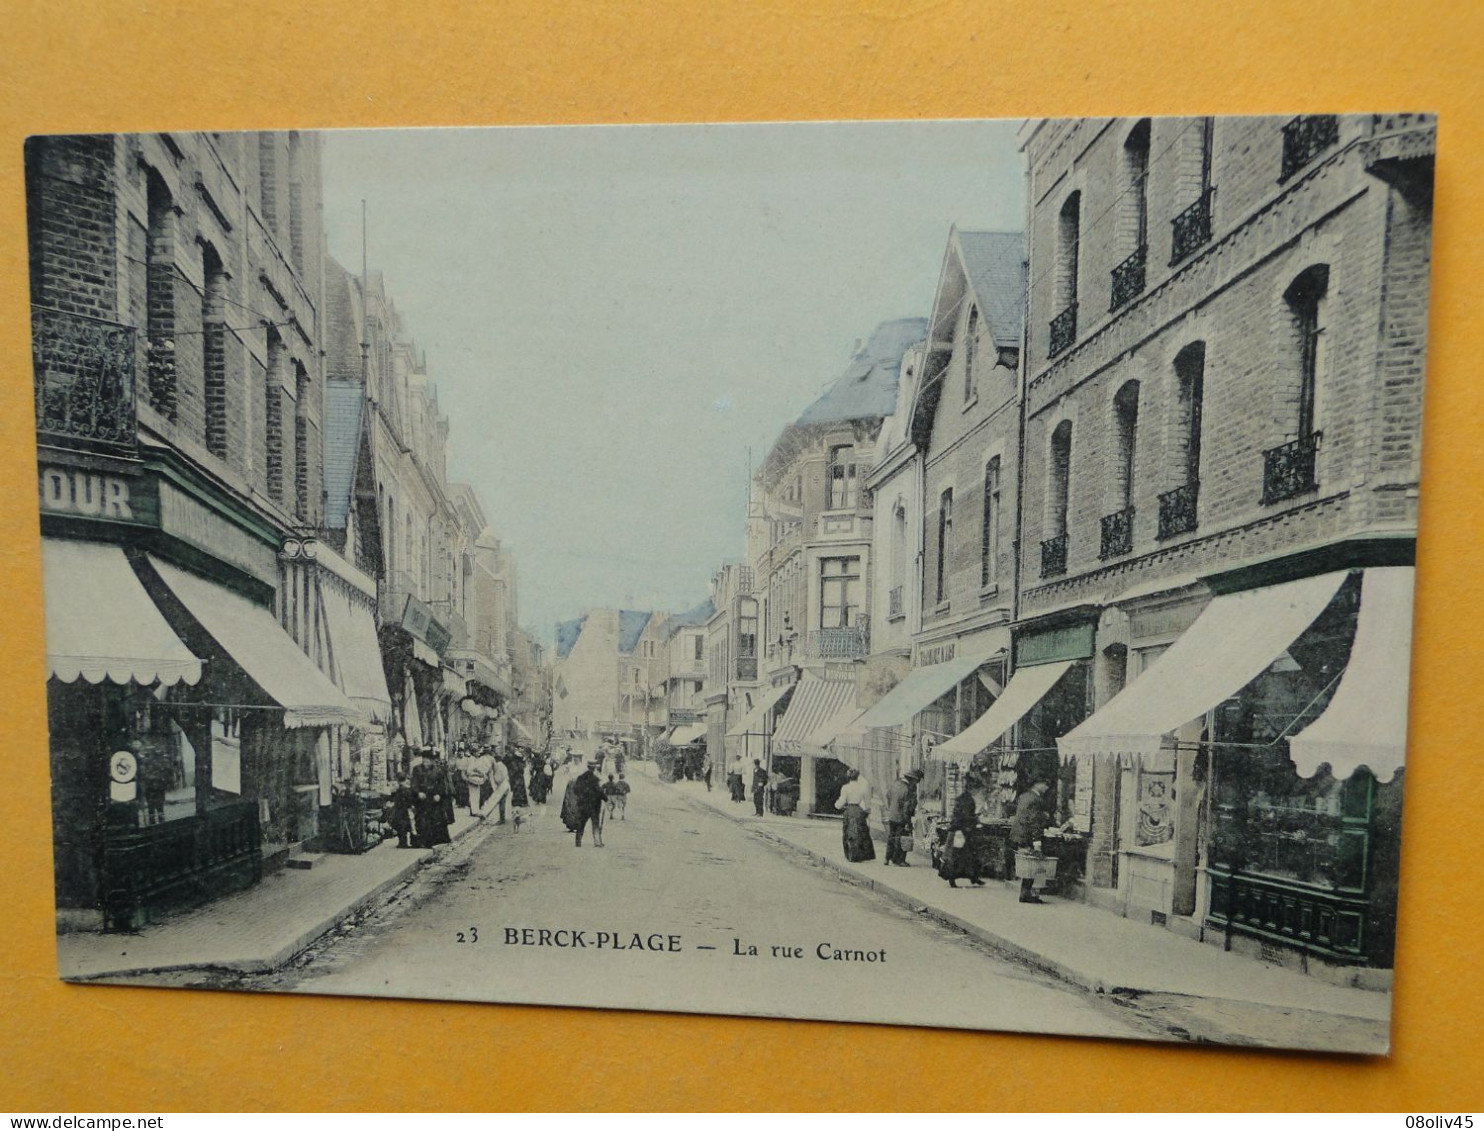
pixel 84 381
pixel 1128 278
pixel 1054 556
pixel 1191 230
pixel 852 643
pixel 1288 469
pixel 1305 138
pixel 1063 331
pixel 1177 510
pixel 894 602
pixel 1118 534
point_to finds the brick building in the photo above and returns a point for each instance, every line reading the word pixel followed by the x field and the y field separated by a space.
pixel 1221 421
pixel 176 284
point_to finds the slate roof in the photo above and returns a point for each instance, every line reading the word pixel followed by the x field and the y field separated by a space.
pixel 691 618
pixel 995 265
pixel 567 632
pixel 630 628
pixel 868 387
pixel 342 438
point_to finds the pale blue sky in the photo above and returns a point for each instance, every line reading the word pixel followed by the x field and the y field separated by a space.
pixel 613 315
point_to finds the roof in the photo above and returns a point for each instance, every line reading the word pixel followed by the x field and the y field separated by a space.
pixel 868 387
pixel 691 618
pixel 630 628
pixel 342 438
pixel 995 265
pixel 567 633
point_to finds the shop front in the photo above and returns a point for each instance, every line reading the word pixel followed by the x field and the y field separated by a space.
pixel 816 702
pixel 1259 763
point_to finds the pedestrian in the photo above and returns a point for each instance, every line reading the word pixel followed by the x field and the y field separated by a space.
pixel 734 780
pixel 540 784
pixel 897 812
pixel 156 776
pixel 582 805
pixel 499 790
pixel 706 771
pixel 855 802
pixel 759 785
pixel 398 812
pixel 430 784
pixel 478 770
pixel 452 785
pixel 960 856
pixel 622 797
pixel 610 794
pixel 516 763
pixel 1032 817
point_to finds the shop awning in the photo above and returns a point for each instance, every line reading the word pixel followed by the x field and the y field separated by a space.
pixel 423 652
pixel 752 722
pixel 685 735
pixel 1365 723
pixel 1231 642
pixel 818 741
pixel 356 652
pixel 101 624
pixel 916 692
pixel 251 635
pixel 816 701
pixel 1026 688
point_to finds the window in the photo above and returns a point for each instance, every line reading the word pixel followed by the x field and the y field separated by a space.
pixel 1117 526
pixel 989 542
pixel 1191 228
pixel 214 350
pixel 1059 484
pixel 159 291
pixel 841 479
pixel 700 643
pixel 747 628
pixel 1177 508
pixel 839 592
pixel 1306 298
pixel 1129 275
pixel 894 602
pixel 971 349
pixel 1068 255
pixel 301 443
pixel 945 540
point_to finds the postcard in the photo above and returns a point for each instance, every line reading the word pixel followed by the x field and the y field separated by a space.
pixel 935 573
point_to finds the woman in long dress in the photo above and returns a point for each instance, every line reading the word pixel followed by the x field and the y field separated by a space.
pixel 960 856
pixel 855 802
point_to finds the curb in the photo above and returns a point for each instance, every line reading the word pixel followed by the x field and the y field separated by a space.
pixel 301 942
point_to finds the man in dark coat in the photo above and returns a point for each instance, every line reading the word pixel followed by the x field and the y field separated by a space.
pixel 583 805
pixel 1031 819
pixel 759 785
pixel 899 808
pixel 399 811
pixel 430 784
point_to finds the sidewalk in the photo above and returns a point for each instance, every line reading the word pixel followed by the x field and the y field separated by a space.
pixel 1094 949
pixel 254 930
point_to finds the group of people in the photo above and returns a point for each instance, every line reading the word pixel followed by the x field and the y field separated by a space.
pixel 960 858
pixel 737 776
pixel 495 783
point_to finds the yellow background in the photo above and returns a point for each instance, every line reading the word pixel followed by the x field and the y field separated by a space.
pixel 254 64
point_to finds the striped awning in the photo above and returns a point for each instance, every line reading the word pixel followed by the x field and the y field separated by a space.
pixel 815 701
pixel 686 734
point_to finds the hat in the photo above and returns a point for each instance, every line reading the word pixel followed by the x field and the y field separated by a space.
pixel 915 775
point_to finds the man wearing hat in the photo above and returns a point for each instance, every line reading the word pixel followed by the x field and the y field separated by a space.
pixel 899 809
pixel 583 805
pixel 430 784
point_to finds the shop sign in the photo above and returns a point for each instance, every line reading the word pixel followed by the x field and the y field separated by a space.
pixel 183 517
pixel 1070 642
pixel 937 654
pixel 418 619
pixel 71 490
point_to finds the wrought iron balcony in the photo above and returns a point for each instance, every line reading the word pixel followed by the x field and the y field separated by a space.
pixel 1063 331
pixel 894 601
pixel 1305 138
pixel 1054 556
pixel 852 643
pixel 84 374
pixel 1288 469
pixel 1191 230
pixel 1128 278
pixel 1177 510
pixel 1118 534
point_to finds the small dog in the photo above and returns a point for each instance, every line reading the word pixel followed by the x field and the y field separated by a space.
pixel 518 820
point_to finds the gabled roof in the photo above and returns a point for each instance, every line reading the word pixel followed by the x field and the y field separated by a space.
pixel 994 263
pixel 567 633
pixel 342 438
pixel 868 387
pixel 630 628
pixel 691 618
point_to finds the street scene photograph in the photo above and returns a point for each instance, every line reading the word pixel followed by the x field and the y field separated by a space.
pixel 938 573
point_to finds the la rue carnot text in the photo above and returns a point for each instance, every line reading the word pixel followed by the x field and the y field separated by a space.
pixel 825 951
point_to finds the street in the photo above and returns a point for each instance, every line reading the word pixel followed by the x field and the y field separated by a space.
pixel 680 879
